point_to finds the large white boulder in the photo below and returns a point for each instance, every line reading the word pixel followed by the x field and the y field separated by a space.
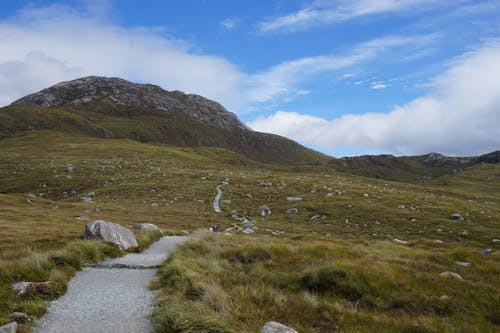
pixel 111 232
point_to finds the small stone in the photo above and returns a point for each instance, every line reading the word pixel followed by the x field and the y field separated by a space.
pixel 293 199
pixel 365 195
pixel 495 240
pixel 264 210
pixel 274 327
pixel 292 211
pixel 226 202
pixel 456 217
pixel 19 317
pixel 9 328
pixel 155 204
pixel 451 274
pixel 21 287
pixel 486 252
pixel 399 241
pixel 31 196
pixel 444 297
pixel 401 206
pixel 185 232
pixel 146 226
pixel 463 263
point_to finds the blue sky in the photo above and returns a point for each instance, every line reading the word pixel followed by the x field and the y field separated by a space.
pixel 343 77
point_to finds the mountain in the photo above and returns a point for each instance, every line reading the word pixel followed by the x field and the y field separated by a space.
pixel 116 108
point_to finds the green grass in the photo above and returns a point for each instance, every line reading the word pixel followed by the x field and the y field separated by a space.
pixel 340 271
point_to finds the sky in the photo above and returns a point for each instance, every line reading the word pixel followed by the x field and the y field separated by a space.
pixel 344 77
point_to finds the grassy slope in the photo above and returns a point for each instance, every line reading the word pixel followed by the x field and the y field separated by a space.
pixel 340 271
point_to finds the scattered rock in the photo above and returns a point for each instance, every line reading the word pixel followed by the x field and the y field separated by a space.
pixel 264 210
pixel 456 217
pixel 226 202
pixel 146 226
pixel 463 263
pixel 185 232
pixel 444 297
pixel 486 252
pixel 21 287
pixel 31 196
pixel 365 195
pixel 88 200
pixel 495 240
pixel 293 199
pixel 274 327
pixel 9 328
pixel 82 218
pixel 399 241
pixel 292 211
pixel 111 232
pixel 19 317
pixel 401 206
pixel 155 204
pixel 451 274
pixel 315 217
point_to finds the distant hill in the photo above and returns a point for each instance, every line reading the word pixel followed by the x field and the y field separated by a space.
pixel 421 168
pixel 116 108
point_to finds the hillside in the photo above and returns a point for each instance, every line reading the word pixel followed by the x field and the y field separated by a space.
pixel 357 254
pixel 116 108
pixel 423 168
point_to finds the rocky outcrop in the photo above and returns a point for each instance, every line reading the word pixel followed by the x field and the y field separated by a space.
pixel 112 92
pixel 111 232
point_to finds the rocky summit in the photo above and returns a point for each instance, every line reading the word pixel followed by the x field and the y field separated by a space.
pixel 115 92
pixel 116 108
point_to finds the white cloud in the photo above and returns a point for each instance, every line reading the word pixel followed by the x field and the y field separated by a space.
pixel 229 23
pixel 379 85
pixel 50 44
pixel 460 117
pixel 42 46
pixel 328 12
pixel 281 79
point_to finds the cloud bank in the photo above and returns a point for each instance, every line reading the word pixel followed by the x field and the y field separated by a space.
pixel 43 46
pixel 460 117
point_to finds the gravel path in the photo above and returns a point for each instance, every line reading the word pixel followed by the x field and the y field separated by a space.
pixel 217 199
pixel 110 300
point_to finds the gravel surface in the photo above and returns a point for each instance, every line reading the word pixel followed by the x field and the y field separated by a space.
pixel 109 300
pixel 217 199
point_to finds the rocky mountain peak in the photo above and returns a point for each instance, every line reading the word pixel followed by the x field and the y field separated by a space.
pixel 103 92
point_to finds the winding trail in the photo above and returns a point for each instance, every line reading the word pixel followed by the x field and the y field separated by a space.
pixel 217 199
pixel 111 297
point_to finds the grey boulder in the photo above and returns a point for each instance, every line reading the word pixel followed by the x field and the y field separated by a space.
pixel 274 327
pixel 111 232
pixel 9 328
pixel 456 217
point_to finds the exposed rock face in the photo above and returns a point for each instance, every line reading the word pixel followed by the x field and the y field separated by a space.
pixel 111 232
pixel 274 327
pixel 118 92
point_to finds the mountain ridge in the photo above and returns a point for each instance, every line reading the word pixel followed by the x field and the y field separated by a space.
pixel 117 108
